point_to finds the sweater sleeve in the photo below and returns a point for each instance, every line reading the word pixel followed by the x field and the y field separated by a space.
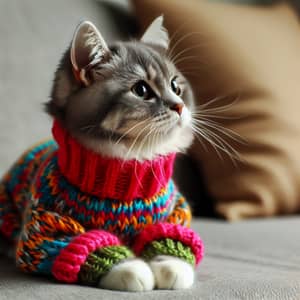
pixel 181 213
pixel 172 237
pixel 57 245
pixel 175 232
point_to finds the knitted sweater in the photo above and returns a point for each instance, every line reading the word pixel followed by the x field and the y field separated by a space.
pixel 78 202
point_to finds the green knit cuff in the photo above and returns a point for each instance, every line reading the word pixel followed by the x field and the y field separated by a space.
pixel 169 247
pixel 100 262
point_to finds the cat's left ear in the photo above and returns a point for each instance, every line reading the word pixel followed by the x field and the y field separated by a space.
pixel 87 49
pixel 157 34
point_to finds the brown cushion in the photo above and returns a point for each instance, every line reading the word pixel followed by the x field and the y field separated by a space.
pixel 252 54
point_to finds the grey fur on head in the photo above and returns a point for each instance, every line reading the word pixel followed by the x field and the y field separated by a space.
pixel 125 100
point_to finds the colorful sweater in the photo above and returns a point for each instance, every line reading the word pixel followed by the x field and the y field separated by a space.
pixel 81 210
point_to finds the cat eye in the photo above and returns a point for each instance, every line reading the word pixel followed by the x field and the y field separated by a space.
pixel 142 90
pixel 175 87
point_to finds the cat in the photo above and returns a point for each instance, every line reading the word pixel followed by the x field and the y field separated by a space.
pixel 100 205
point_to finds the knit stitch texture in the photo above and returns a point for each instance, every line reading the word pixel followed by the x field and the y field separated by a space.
pixel 84 211
pixel 101 261
pixel 168 247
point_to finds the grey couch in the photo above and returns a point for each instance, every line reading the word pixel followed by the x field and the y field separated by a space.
pixel 257 259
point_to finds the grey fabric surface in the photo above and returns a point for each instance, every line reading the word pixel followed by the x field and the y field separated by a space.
pixel 258 259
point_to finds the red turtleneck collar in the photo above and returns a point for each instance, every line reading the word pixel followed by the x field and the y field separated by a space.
pixel 107 177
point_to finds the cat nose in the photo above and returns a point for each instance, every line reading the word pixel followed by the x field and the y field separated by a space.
pixel 178 107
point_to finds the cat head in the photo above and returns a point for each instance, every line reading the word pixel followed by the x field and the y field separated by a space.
pixel 125 100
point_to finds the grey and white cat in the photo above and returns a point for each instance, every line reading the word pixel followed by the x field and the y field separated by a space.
pixel 127 100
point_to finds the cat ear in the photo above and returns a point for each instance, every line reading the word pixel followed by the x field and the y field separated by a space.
pixel 87 49
pixel 157 34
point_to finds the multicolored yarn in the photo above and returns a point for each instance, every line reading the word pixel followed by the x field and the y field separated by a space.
pixel 68 262
pixel 82 209
pixel 172 231
pixel 15 186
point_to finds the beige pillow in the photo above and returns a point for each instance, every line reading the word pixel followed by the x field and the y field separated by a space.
pixel 252 53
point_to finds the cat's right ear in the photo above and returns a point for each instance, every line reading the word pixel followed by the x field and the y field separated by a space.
pixel 87 49
pixel 157 34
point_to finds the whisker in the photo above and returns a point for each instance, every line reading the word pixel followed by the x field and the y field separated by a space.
pixel 136 176
pixel 226 131
pixel 157 137
pixel 210 102
pixel 136 139
pixel 199 139
pixel 208 127
pixel 177 55
pixel 227 148
pixel 130 129
pixel 206 138
pixel 144 140
pixel 150 142
pixel 194 68
pixel 214 100
pixel 162 170
pixel 171 51
pixel 220 143
pixel 220 149
pixel 139 150
pixel 174 35
pixel 178 30
pixel 184 58
pixel 151 163
pixel 214 116
pixel 219 109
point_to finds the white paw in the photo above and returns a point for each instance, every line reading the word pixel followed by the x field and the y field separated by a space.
pixel 133 275
pixel 171 272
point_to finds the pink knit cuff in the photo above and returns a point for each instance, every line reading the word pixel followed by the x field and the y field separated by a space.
pixel 66 265
pixel 173 231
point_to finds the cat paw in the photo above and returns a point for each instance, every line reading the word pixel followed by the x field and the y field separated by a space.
pixel 171 272
pixel 132 275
